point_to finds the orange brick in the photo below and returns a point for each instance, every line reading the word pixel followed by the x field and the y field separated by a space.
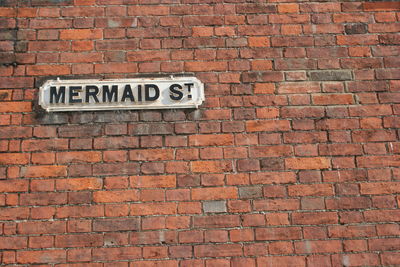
pixel 291 29
pixel 8 186
pixel 211 140
pixel 78 34
pixel 44 171
pixel 151 154
pixel 206 66
pixel 211 166
pixel 288 8
pixel 78 157
pixel 116 196
pixel 307 163
pixel 14 158
pixel 214 193
pixel 7 12
pixel 261 65
pixel 82 45
pixel 16 107
pixel 39 70
pixel 264 125
pixel 259 41
pixel 380 188
pixel 272 177
pixel 161 208
pixel 78 184
pixel 383 6
pixel 311 190
pixel 158 181
pixel 41 256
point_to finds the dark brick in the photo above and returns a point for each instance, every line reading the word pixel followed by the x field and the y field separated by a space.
pixel 188 180
pixel 272 164
pixel 7 58
pixel 51 118
pixel 146 129
pixel 250 192
pixel 330 75
pixel 112 225
pixel 356 28
pixel 52 2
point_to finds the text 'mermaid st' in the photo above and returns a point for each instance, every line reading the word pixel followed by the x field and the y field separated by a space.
pixel 115 93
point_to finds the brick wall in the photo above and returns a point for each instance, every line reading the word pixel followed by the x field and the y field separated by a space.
pixel 293 159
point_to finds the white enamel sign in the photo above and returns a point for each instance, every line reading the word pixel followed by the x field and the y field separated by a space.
pixel 116 94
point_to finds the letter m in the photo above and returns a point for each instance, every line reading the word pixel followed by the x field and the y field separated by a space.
pixel 54 95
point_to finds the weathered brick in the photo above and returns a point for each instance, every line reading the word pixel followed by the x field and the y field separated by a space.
pixel 307 163
pixel 41 256
pixel 328 75
pixel 291 233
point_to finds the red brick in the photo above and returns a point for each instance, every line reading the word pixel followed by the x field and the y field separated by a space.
pixel 380 188
pixel 378 161
pixel 79 240
pixel 263 125
pixel 278 233
pixel 44 171
pixel 16 107
pixel 383 6
pixel 222 250
pixel 282 261
pixel 14 158
pixel 216 221
pixel 155 252
pixel 41 242
pixel 115 196
pixel 50 23
pixel 82 12
pixel 42 227
pixel 359 259
pixel 276 204
pixel 42 199
pixel 319 246
pixel 307 163
pixel 211 140
pixel 151 154
pixel 340 149
pixel 148 10
pixel 162 208
pixel 314 218
pixel 44 145
pixel 214 193
pixel 13 243
pixel 80 211
pixel 348 203
pixel 77 34
pixel 381 215
pixel 115 68
pixel 153 181
pixel 110 254
pixel 351 231
pixel 39 70
pixel 390 258
pixel 359 40
pixel 41 256
pixel 148 56
pixel 78 157
pixel 211 166
pixel 79 184
pixel 311 190
pixel 272 177
pixel 205 66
